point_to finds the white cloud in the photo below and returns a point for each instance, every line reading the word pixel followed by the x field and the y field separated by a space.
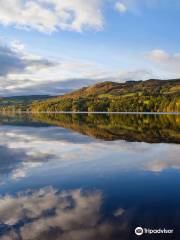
pixel 14 59
pixel 134 74
pixel 70 15
pixel 158 55
pixel 21 71
pixel 168 61
pixel 119 6
pixel 137 7
pixel 25 73
pixel 51 15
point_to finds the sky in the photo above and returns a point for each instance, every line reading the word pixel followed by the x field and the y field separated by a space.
pixel 55 46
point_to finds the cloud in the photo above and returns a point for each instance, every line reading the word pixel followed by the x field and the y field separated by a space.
pixel 158 55
pixel 51 15
pixel 120 7
pixel 134 74
pixel 22 72
pixel 166 61
pixel 25 73
pixel 14 60
pixel 138 7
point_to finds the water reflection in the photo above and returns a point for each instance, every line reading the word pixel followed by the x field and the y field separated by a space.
pixel 49 214
pixel 102 183
pixel 150 128
pixel 24 149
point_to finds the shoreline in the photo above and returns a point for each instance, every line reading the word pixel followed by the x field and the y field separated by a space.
pixel 71 112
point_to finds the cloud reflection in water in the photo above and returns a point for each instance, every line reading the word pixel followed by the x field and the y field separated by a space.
pixel 49 214
pixel 24 149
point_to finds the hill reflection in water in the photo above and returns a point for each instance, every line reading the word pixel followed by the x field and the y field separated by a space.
pixel 152 128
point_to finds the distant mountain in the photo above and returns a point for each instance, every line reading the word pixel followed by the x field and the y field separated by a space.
pixel 132 96
pixel 20 102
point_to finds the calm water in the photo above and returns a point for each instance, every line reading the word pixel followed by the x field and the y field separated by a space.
pixel 89 177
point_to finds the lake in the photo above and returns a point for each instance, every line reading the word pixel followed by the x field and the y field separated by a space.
pixel 89 176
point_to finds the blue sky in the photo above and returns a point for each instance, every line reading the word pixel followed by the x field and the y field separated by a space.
pixel 66 44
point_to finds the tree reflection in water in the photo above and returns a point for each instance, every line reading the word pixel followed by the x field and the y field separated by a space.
pixel 151 128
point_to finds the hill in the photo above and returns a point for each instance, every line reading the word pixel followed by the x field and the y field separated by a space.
pixel 132 96
pixel 22 103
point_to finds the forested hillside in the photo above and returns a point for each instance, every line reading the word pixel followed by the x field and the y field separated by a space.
pixel 132 96
pixel 20 103
pixel 140 96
